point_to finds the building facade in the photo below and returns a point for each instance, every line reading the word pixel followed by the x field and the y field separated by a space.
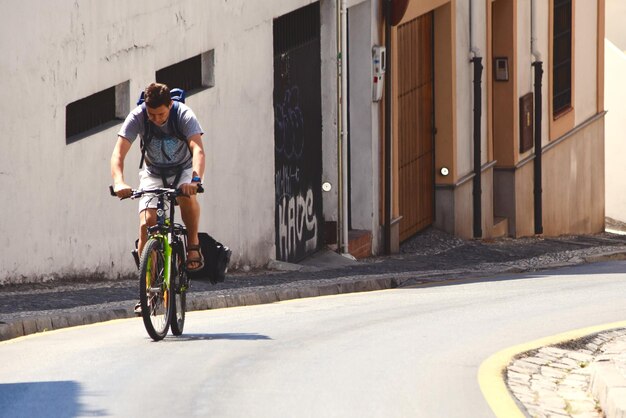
pixel 298 149
pixel 511 156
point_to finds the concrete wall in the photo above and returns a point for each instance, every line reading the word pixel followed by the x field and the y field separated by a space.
pixel 59 219
pixel 364 117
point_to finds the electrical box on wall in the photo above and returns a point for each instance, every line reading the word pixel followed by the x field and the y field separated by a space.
pixel 379 62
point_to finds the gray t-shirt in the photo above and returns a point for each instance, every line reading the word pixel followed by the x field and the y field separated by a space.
pixel 164 151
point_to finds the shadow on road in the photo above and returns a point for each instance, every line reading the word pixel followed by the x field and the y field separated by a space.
pixel 43 399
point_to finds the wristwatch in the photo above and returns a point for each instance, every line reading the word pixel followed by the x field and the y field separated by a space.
pixel 196 179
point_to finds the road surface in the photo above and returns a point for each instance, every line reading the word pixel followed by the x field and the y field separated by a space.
pixel 411 352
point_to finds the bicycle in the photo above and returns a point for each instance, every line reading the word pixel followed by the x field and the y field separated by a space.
pixel 163 279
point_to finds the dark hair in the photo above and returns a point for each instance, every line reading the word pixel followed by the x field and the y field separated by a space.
pixel 157 95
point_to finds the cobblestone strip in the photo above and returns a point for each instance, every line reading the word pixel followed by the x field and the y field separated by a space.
pixel 555 381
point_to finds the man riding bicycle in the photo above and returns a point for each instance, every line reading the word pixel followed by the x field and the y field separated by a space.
pixel 174 157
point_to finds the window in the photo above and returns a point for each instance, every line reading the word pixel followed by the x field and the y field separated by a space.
pixel 96 112
pixel 191 75
pixel 562 57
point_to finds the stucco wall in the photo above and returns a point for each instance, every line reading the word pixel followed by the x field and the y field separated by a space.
pixel 615 132
pixel 525 200
pixel 573 182
pixel 464 82
pixel 615 86
pixel 59 219
pixel 585 55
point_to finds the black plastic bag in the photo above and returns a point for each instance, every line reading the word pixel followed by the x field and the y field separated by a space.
pixel 216 259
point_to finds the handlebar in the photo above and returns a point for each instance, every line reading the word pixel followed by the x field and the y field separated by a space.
pixel 136 193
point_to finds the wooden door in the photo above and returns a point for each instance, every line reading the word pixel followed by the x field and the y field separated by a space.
pixel 416 124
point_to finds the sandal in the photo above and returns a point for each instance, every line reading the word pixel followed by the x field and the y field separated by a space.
pixel 198 261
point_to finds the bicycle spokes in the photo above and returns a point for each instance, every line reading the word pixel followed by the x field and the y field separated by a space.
pixel 155 295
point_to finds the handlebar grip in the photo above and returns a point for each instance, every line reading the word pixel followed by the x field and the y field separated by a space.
pixel 112 191
pixel 200 188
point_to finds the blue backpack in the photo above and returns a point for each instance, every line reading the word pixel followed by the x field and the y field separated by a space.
pixel 178 96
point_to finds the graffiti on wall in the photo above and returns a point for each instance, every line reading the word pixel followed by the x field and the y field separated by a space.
pixel 297 224
pixel 289 126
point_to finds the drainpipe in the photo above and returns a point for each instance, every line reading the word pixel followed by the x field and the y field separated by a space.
pixel 477 193
pixel 388 74
pixel 342 126
pixel 478 72
pixel 538 67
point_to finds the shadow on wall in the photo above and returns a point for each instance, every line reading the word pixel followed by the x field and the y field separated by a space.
pixel 43 399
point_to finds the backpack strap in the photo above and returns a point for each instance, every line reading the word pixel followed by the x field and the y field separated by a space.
pixel 173 121
pixel 174 124
pixel 147 136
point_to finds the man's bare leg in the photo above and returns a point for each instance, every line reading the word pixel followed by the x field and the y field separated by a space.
pixel 190 212
pixel 147 218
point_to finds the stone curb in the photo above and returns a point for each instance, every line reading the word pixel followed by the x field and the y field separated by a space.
pixel 195 302
pixel 610 256
pixel 30 325
pixel 608 386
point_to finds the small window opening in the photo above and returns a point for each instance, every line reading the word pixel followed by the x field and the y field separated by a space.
pixel 95 113
pixel 192 75
pixel 562 57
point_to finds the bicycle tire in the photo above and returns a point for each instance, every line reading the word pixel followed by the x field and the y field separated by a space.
pixel 178 295
pixel 154 294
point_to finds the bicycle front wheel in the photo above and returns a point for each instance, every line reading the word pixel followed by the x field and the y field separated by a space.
pixel 154 292
pixel 178 294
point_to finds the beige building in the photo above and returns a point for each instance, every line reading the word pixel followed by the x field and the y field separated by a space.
pixel 517 149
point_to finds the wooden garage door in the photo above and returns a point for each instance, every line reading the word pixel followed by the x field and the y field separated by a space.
pixel 415 124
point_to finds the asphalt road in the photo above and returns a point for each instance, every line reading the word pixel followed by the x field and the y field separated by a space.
pixel 411 352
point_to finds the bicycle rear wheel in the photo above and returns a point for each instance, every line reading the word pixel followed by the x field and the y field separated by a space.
pixel 154 293
pixel 178 294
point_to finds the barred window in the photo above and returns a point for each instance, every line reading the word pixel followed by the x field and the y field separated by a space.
pixel 562 57
pixel 191 75
pixel 96 112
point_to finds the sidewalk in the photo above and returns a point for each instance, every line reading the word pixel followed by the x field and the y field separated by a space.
pixel 432 256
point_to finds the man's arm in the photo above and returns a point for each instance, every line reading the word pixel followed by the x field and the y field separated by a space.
pixel 197 152
pixel 197 162
pixel 117 167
